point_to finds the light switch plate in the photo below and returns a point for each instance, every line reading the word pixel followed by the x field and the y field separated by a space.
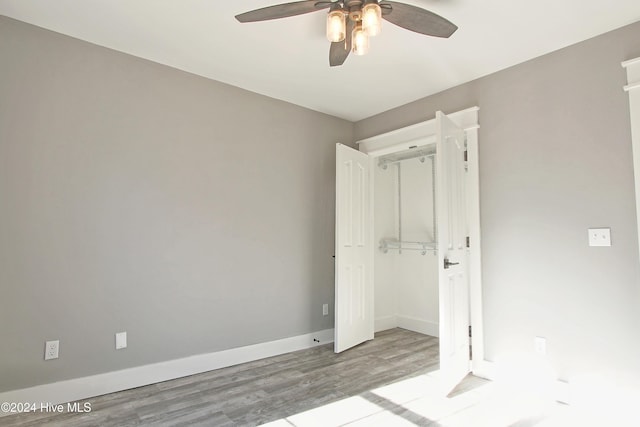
pixel 599 237
pixel 121 340
pixel 540 345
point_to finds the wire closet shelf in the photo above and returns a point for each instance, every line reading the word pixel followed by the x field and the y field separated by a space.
pixel 392 244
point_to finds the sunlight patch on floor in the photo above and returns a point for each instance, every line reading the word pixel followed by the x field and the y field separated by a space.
pixel 420 401
pixel 336 413
pixel 414 401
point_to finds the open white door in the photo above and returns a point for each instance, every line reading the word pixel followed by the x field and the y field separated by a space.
pixel 354 250
pixel 452 253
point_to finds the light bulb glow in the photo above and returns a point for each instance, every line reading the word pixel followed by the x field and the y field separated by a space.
pixel 336 26
pixel 372 19
pixel 360 40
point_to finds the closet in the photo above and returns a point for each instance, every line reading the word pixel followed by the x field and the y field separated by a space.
pixel 405 228
pixel 408 239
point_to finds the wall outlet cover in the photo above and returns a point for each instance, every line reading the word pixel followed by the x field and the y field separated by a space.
pixel 51 349
pixel 325 309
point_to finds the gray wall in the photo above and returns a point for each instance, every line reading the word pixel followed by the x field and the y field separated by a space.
pixel 199 217
pixel 555 159
pixel 194 215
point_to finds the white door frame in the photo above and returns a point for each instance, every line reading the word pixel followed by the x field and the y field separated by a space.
pixel 425 133
pixel 632 87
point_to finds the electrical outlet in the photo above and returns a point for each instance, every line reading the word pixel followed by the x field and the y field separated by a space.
pixel 121 340
pixel 51 349
pixel 540 344
pixel 325 309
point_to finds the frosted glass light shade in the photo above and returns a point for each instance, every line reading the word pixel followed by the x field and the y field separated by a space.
pixel 336 26
pixel 372 19
pixel 360 40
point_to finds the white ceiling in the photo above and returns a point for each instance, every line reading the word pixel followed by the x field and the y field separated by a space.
pixel 288 58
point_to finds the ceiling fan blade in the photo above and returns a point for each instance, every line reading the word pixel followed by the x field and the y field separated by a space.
pixel 283 10
pixel 339 51
pixel 416 19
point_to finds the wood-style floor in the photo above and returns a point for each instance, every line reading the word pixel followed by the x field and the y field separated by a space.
pixel 390 381
pixel 261 391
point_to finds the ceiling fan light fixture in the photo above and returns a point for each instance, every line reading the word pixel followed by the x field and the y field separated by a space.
pixel 360 40
pixel 350 23
pixel 372 18
pixel 336 25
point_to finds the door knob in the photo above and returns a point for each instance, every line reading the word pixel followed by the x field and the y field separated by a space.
pixel 448 264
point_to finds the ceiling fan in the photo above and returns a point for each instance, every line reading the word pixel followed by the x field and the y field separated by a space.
pixel 350 23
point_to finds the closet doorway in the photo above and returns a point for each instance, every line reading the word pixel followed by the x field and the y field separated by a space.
pixel 408 240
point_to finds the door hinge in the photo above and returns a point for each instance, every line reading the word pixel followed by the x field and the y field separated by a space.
pixel 469 331
pixel 468 244
pixel 466 156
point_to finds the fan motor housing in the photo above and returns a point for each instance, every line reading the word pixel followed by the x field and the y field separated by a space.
pixel 355 9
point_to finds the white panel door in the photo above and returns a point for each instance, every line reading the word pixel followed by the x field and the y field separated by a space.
pixel 354 250
pixel 452 253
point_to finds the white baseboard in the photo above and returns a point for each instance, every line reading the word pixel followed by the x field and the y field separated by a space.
pixel 406 322
pixel 385 322
pixel 418 325
pixel 110 382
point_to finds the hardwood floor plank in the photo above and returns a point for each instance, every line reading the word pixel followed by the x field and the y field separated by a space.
pixel 261 391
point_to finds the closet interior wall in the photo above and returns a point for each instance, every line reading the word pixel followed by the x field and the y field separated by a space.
pixel 406 282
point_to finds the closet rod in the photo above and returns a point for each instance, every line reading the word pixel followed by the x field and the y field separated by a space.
pixel 412 153
pixel 384 163
pixel 408 242
pixel 387 244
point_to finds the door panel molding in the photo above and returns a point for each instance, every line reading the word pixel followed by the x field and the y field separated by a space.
pixel 354 322
pixel 452 253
